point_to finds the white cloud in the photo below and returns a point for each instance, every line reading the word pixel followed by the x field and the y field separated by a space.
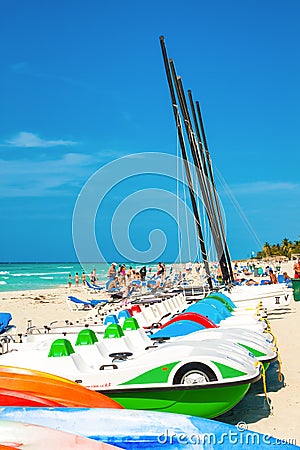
pixel 27 177
pixel 31 140
pixel 19 67
pixel 259 187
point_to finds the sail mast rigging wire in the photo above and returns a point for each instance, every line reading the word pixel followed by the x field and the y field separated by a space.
pixel 238 207
pixel 186 163
pixel 207 198
pixel 227 259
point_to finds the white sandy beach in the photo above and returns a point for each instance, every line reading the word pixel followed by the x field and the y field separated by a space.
pixel 44 306
pixel 283 421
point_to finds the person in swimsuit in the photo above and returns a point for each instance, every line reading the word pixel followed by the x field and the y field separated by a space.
pixel 297 269
pixel 273 278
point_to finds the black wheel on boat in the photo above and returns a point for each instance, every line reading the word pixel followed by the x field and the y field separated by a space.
pixel 194 373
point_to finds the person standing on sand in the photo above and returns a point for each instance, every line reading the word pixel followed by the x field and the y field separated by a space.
pixel 92 278
pixel 70 280
pixel 95 275
pixel 297 269
pixel 76 279
pixel 160 270
pixel 129 274
pixel 112 276
pixel 83 278
pixel 122 274
pixel 112 271
pixel 143 273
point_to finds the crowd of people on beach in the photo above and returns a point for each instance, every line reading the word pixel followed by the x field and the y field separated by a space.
pixel 120 275
pixel 263 274
pixel 124 276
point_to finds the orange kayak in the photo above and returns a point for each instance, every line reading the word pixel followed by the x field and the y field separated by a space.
pixel 52 388
pixel 18 398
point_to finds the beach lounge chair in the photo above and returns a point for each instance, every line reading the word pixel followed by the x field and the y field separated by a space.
pixel 94 286
pixel 75 304
pixel 5 318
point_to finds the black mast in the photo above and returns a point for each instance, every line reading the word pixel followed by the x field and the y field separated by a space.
pixel 205 188
pixel 216 200
pixel 216 217
pixel 186 163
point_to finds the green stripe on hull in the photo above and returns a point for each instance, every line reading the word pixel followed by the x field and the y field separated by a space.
pixel 208 403
pixel 158 375
pixel 228 372
pixel 254 352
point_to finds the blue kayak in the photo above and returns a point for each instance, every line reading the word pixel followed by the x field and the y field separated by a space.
pixel 132 430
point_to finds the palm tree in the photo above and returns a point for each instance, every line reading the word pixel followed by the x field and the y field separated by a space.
pixel 286 247
pixel 267 249
pixel 296 247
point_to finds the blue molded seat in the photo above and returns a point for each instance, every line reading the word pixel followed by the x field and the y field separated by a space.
pixel 222 296
pixel 207 310
pixel 111 318
pixel 124 314
pixel 180 328
pixel 220 306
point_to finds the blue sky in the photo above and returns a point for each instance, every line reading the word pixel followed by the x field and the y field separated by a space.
pixel 83 83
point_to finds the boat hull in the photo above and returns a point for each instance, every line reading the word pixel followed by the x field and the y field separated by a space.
pixel 27 387
pixel 132 430
pixel 201 401
pixel 16 435
pixel 271 298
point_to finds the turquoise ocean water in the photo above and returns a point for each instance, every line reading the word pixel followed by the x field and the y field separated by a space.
pixel 25 276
